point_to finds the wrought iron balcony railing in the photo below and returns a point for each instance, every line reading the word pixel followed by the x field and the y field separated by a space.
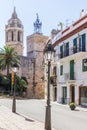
pixel 71 51
pixel 70 76
pixel 53 80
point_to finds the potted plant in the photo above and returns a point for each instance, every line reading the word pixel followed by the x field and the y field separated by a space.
pixel 72 105
pixel 53 79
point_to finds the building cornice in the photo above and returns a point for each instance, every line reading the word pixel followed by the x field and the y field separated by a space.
pixel 78 29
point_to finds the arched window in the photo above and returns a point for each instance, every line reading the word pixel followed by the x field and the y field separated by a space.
pixel 18 36
pixel 12 36
pixel 6 36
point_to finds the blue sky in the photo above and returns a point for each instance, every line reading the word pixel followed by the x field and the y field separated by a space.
pixel 51 12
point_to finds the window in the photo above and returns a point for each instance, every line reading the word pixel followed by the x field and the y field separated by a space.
pixel 61 70
pixel 67 48
pixel 6 36
pixel 12 36
pixel 18 36
pixel 83 41
pixel 72 70
pixel 80 47
pixel 83 95
pixel 75 45
pixel 84 67
pixel 61 51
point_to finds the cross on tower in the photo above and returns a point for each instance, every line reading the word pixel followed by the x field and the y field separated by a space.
pixel 37 25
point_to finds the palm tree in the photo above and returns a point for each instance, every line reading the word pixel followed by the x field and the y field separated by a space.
pixel 21 85
pixel 8 57
pixel 61 25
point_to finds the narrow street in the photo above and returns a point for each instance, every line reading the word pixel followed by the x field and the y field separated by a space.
pixel 62 117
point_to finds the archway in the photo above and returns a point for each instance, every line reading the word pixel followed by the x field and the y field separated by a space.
pixel 72 93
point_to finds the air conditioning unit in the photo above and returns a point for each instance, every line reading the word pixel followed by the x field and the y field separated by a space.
pixel 66 76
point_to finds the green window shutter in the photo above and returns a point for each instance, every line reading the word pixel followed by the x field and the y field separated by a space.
pixel 61 51
pixel 80 44
pixel 61 70
pixel 83 65
pixel 83 41
pixel 75 45
pixel 72 70
pixel 84 68
pixel 67 48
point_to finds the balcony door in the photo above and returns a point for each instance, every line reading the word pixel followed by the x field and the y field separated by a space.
pixel 61 51
pixel 67 49
pixel 83 42
pixel 75 45
pixel 72 70
pixel 64 95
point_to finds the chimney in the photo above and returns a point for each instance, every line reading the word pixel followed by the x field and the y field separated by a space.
pixel 82 13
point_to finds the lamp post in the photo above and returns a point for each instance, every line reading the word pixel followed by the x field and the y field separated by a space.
pixel 49 55
pixel 14 71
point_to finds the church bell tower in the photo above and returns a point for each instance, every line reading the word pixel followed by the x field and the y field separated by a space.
pixel 14 33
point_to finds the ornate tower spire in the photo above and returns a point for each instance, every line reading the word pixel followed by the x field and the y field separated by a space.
pixel 37 25
pixel 14 14
pixel 14 33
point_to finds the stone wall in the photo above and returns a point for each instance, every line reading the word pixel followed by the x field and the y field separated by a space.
pixel 35 47
pixel 31 65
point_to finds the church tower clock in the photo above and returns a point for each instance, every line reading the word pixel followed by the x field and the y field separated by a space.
pixel 14 33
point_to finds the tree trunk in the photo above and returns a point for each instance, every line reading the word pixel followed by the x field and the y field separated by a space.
pixel 7 69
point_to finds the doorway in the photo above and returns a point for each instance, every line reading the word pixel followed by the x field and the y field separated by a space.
pixel 72 93
pixel 55 93
pixel 83 96
pixel 64 93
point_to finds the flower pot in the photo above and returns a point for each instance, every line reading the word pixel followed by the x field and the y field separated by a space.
pixel 72 108
pixel 72 105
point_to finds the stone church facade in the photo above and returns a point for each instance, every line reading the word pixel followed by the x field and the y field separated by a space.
pixel 31 65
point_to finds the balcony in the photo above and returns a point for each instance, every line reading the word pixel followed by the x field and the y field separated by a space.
pixel 71 51
pixel 69 76
pixel 53 79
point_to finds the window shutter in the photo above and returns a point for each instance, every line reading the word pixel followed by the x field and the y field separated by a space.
pixel 84 68
pixel 61 70
pixel 61 51
pixel 67 48
pixel 83 42
pixel 75 45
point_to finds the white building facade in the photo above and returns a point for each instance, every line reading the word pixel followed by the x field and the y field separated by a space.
pixel 71 57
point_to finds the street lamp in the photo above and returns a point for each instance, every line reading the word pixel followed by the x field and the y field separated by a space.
pixel 14 71
pixel 49 55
